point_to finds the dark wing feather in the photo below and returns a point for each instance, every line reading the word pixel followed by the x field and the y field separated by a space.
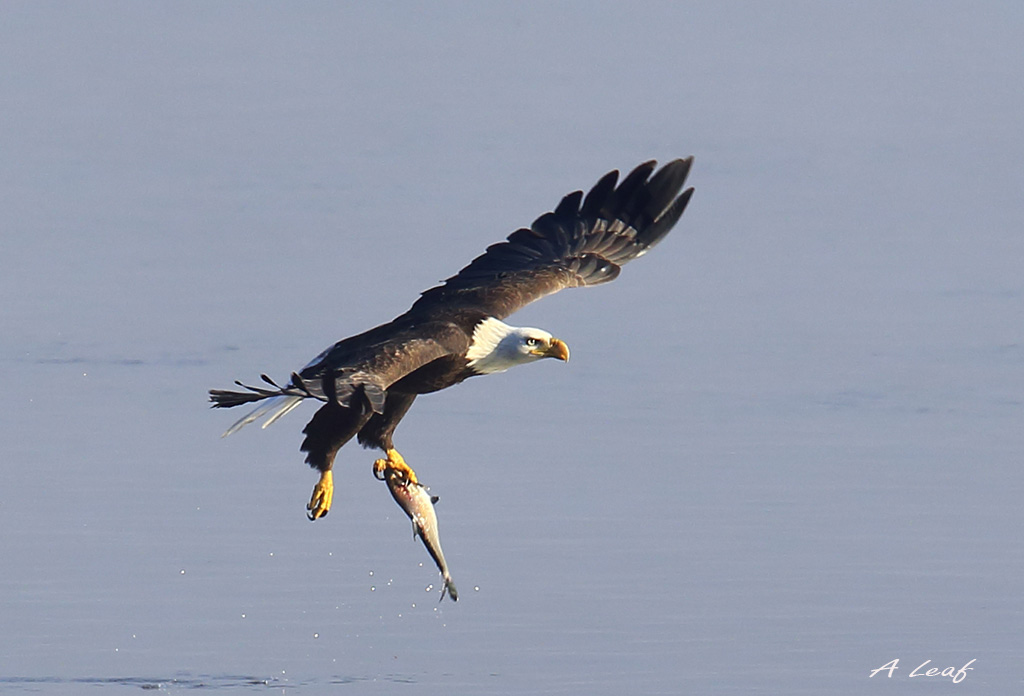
pixel 360 377
pixel 356 373
pixel 584 241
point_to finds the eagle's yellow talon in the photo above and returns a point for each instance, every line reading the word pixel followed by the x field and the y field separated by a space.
pixel 323 495
pixel 395 463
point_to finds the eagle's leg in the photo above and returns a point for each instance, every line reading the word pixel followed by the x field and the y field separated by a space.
pixel 395 462
pixel 323 494
pixel 330 428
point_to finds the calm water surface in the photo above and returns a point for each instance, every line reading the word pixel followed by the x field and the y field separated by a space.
pixel 786 451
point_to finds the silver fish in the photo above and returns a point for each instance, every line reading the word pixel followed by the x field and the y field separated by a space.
pixel 412 497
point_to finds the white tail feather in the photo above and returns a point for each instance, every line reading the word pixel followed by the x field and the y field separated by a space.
pixel 275 406
pixel 292 402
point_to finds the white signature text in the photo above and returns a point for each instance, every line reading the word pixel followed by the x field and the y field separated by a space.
pixel 923 670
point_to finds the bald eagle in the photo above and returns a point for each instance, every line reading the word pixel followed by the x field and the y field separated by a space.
pixel 367 382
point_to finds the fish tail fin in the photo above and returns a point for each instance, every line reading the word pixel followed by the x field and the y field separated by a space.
pixel 449 588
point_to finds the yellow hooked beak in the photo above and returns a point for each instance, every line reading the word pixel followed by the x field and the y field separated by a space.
pixel 557 349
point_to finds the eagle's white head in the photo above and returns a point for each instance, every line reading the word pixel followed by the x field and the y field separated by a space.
pixel 496 346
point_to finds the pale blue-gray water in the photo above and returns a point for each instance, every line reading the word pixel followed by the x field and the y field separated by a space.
pixel 786 451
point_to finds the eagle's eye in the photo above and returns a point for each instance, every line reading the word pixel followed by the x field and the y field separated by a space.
pixel 533 342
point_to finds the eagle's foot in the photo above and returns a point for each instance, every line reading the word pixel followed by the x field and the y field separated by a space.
pixel 395 463
pixel 323 494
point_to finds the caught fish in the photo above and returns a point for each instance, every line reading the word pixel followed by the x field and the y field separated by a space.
pixel 412 497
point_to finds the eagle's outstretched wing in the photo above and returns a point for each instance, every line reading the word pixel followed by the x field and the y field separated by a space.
pixel 584 241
